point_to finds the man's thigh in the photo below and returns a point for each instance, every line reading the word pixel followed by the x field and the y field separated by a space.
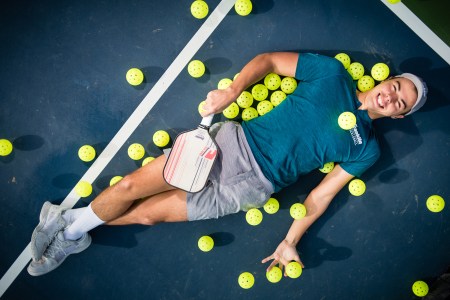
pixel 148 180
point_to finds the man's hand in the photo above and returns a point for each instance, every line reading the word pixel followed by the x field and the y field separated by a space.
pixel 284 254
pixel 218 100
pixel 316 203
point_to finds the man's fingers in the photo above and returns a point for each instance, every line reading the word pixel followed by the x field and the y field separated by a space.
pixel 275 260
pixel 205 109
pixel 267 259
pixel 272 265
pixel 284 261
pixel 280 265
pixel 297 259
pixel 208 109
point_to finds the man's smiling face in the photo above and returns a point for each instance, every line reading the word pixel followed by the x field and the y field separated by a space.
pixel 391 98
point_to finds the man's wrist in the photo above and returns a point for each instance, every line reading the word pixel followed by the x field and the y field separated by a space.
pixel 291 241
pixel 233 92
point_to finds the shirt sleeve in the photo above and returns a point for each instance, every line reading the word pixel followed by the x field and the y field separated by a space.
pixel 364 162
pixel 311 67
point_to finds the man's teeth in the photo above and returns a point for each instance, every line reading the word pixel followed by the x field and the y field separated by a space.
pixel 380 103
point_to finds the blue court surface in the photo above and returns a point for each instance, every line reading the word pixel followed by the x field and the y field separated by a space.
pixel 62 85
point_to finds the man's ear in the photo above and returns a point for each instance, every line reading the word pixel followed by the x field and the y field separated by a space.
pixel 398 117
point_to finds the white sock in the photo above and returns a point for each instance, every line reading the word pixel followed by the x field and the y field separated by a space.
pixel 71 215
pixel 86 221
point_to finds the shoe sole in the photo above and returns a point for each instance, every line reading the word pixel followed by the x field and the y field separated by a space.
pixel 32 273
pixel 44 212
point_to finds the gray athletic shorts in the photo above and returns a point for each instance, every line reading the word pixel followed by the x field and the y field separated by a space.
pixel 235 183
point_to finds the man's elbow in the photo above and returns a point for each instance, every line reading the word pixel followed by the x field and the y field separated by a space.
pixel 321 199
pixel 266 59
pixel 264 56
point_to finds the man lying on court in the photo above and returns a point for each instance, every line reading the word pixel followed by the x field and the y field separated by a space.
pixel 257 158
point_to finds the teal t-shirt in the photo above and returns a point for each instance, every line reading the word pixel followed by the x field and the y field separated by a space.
pixel 302 133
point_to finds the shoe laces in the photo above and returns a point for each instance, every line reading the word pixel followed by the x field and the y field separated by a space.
pixel 55 247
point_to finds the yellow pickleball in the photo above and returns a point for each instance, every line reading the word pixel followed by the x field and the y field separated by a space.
pixel 147 160
pixel 260 92
pixel 294 269
pixel 365 83
pixel 254 216
pixel 394 1
pixel 205 243
pixel 277 97
pixel 264 107
pixel 249 113
pixel 435 203
pixel 357 187
pixel 136 151
pixel 161 138
pixel 232 111
pixel 420 288
pixel 134 76
pixel 115 180
pixel 297 211
pixel 6 147
pixel 347 120
pixel 246 280
pixel 274 275
pixel 356 70
pixel 245 99
pixel 200 107
pixel 86 153
pixel 288 85
pixel 272 81
pixel 83 188
pixel 243 7
pixel 199 9
pixel 196 68
pixel 224 83
pixel 271 206
pixel 380 71
pixel 344 59
pixel 327 168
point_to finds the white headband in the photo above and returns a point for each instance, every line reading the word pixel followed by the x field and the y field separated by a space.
pixel 422 91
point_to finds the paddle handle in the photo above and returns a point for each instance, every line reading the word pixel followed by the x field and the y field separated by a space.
pixel 206 121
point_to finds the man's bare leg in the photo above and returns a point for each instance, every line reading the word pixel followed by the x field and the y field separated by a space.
pixel 144 182
pixel 116 200
pixel 109 205
pixel 52 246
pixel 169 206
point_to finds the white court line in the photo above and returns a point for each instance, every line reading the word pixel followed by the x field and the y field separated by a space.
pixel 422 30
pixel 133 122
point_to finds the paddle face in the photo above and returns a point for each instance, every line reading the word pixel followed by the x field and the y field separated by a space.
pixel 190 161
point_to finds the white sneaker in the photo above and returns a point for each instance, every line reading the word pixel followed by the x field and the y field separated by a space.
pixel 57 252
pixel 50 222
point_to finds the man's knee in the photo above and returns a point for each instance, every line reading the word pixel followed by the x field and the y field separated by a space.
pixel 148 220
pixel 127 184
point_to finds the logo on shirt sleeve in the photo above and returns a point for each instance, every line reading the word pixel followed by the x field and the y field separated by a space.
pixel 356 136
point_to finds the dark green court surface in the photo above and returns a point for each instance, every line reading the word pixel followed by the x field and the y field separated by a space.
pixel 435 14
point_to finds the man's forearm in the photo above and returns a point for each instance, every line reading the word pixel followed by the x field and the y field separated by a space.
pixel 252 72
pixel 315 207
pixel 282 63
